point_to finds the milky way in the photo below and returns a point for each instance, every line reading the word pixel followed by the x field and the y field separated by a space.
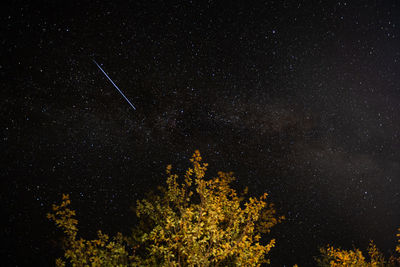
pixel 300 100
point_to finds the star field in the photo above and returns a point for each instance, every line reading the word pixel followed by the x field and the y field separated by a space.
pixel 299 99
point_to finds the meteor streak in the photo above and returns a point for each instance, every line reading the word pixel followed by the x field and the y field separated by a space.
pixel 114 85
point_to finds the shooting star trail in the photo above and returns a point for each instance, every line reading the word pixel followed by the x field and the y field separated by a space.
pixel 114 85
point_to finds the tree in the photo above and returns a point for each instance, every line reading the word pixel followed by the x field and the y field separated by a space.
pixel 193 221
pixel 81 252
pixel 334 257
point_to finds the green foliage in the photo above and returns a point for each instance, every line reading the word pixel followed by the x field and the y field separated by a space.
pixel 192 222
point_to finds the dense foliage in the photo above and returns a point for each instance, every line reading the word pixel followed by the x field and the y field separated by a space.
pixel 334 257
pixel 194 221
pixel 80 252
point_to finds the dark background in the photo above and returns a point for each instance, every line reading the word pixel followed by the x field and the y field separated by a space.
pixel 301 99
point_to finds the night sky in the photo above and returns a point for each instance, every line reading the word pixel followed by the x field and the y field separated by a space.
pixel 300 99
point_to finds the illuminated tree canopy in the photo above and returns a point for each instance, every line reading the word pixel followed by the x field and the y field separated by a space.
pixel 194 221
